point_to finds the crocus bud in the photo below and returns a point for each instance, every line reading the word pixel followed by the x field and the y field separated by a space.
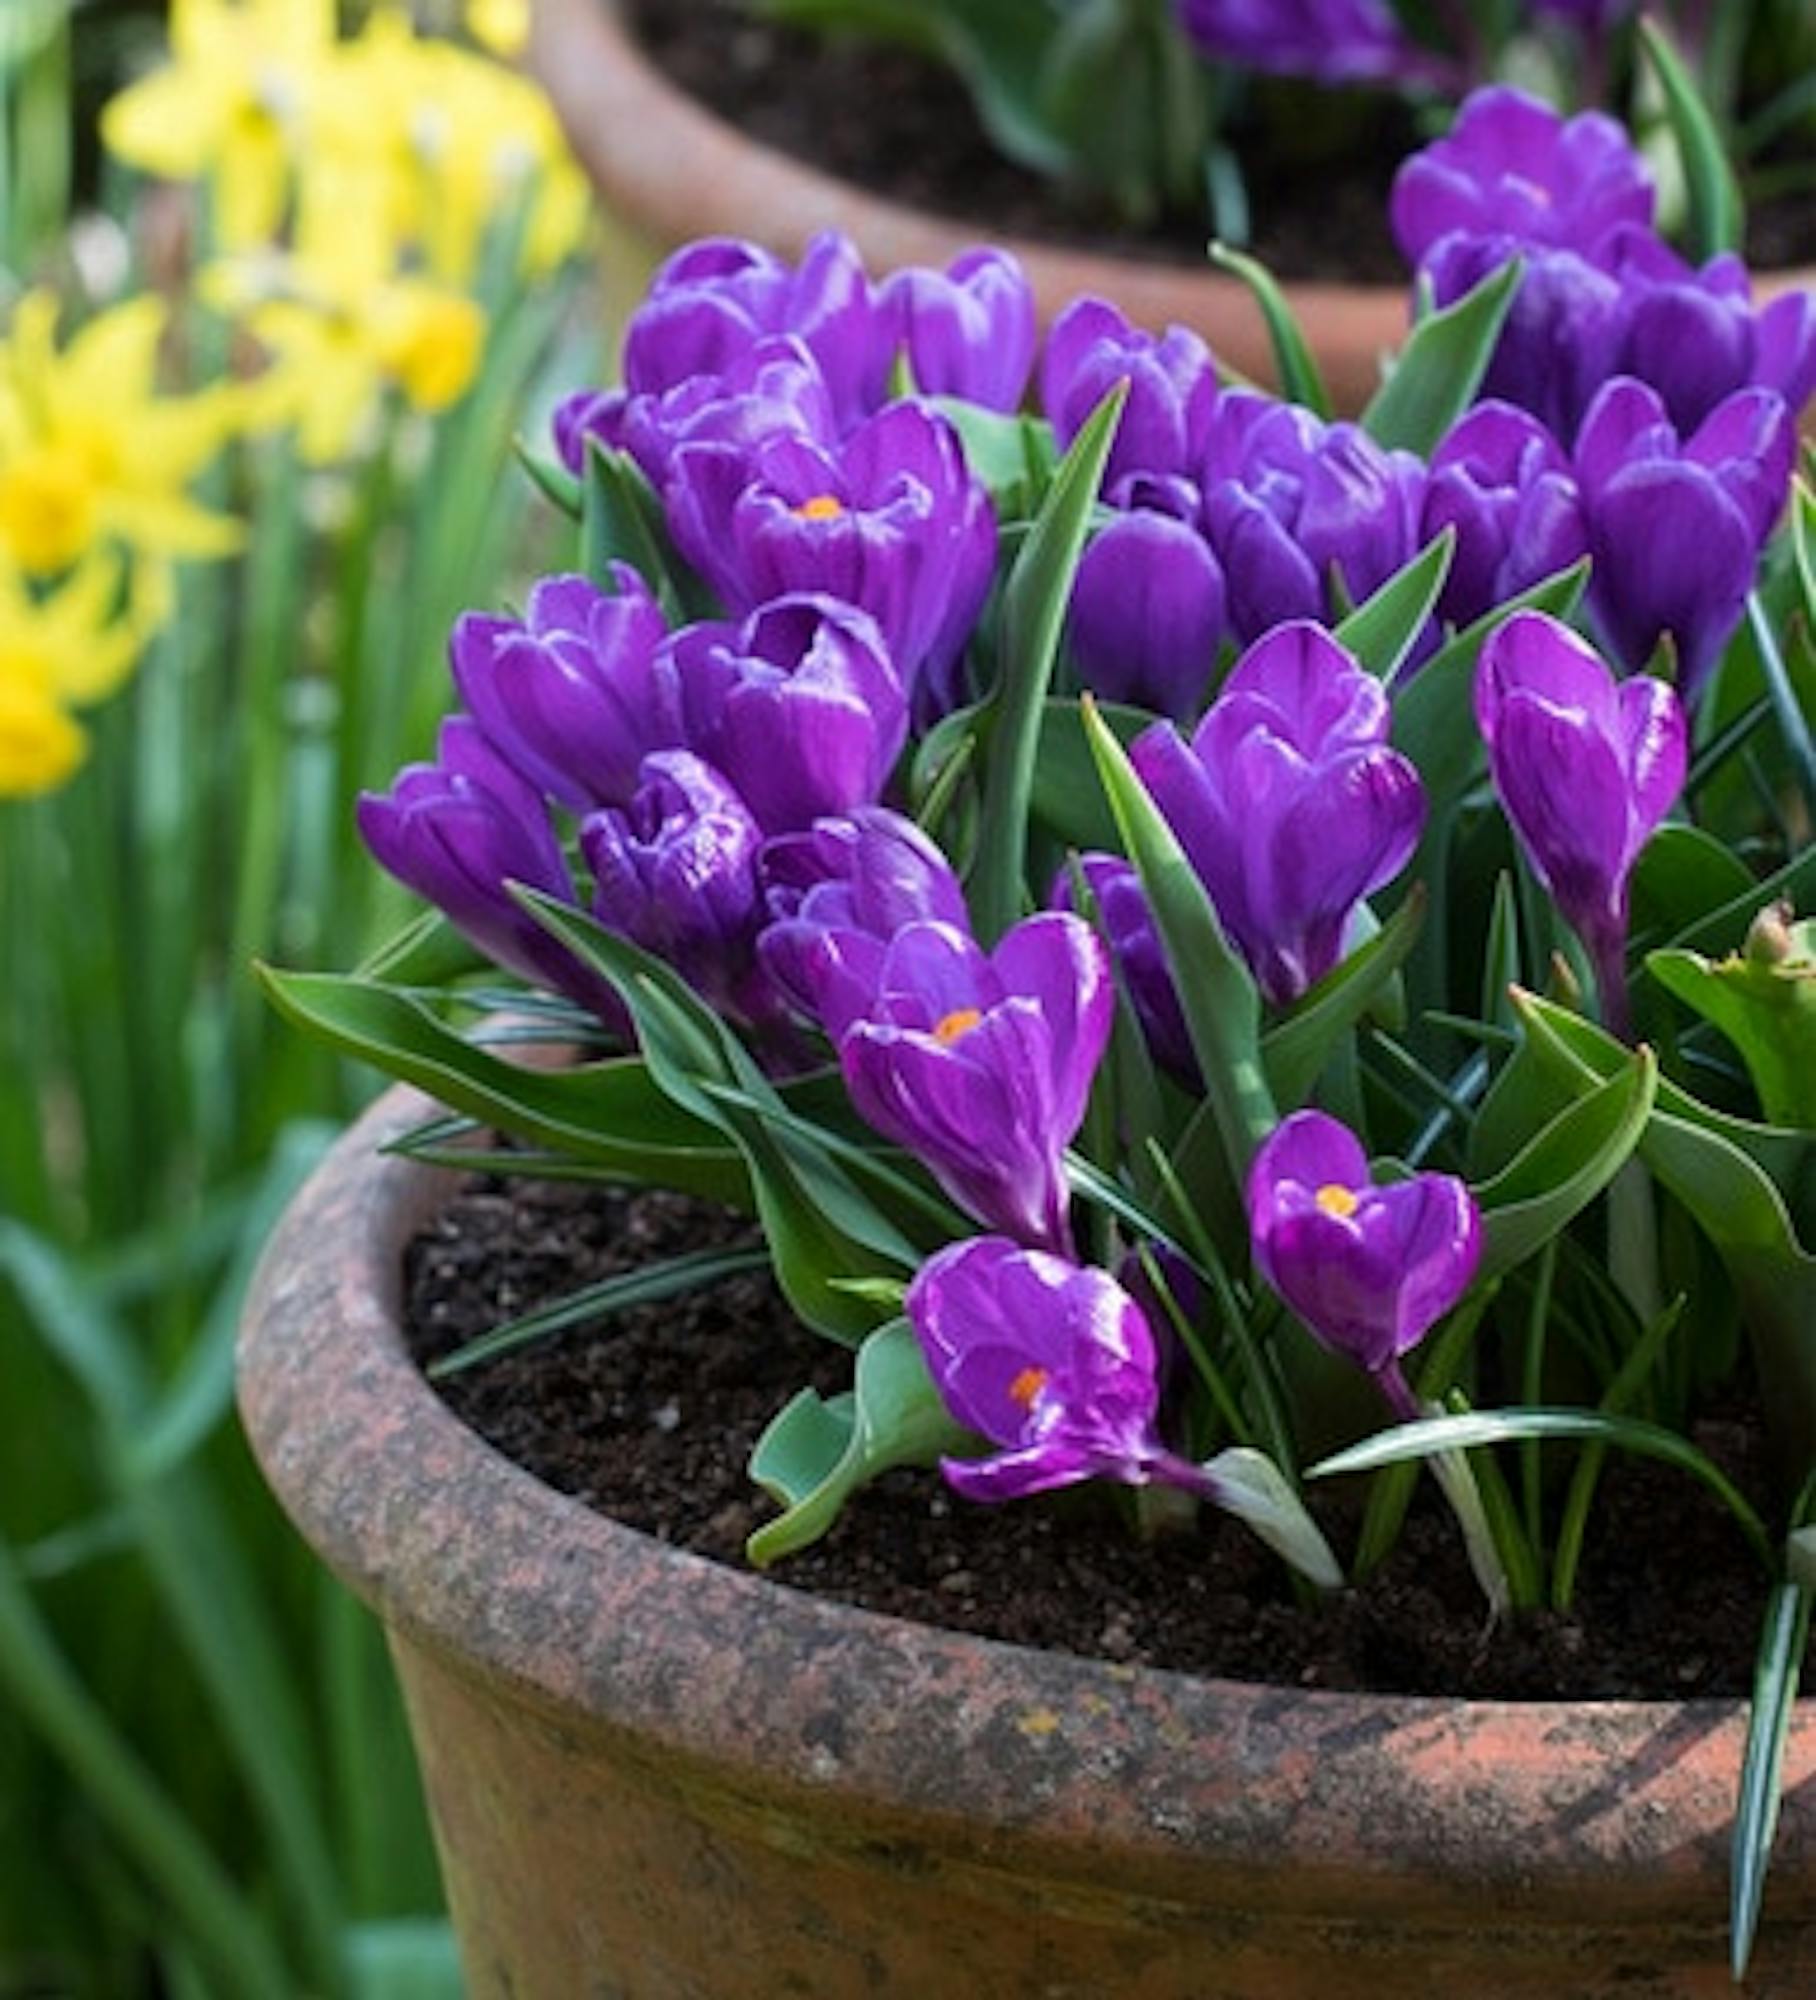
pixel 460 832
pixel 1504 483
pixel 714 299
pixel 568 696
pixel 1512 167
pixel 1292 504
pixel 836 895
pixel 1370 1269
pixel 1148 613
pixel 1289 802
pixel 675 871
pixel 1172 388
pixel 969 330
pixel 1675 528
pixel 1331 41
pixel 981 1064
pixel 1127 922
pixel 1585 767
pixel 798 706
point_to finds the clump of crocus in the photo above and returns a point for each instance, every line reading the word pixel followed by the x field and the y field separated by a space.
pixel 1370 1267
pixel 1586 767
pixel 1289 802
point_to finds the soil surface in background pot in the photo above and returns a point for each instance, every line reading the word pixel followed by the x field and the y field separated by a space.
pixel 900 124
pixel 650 1418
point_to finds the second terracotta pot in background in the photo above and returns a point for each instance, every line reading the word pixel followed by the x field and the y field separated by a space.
pixel 667 170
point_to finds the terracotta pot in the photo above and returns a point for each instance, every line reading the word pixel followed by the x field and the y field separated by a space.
pixel 656 1778
pixel 667 170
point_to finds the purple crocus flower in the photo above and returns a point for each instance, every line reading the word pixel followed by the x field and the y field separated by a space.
pixel 1695 336
pixel 1289 802
pixel 969 330
pixel 1127 921
pixel 1172 388
pixel 568 695
pixel 1676 527
pixel 1513 168
pixel 1504 483
pixel 1148 612
pixel 1586 767
pixel 798 705
pixel 675 871
pixel 836 895
pixel 460 832
pixel 1291 503
pixel 1369 1269
pixel 1563 332
pixel 714 299
pixel 981 1064
pixel 1330 41
pixel 1053 1363
pixel 891 520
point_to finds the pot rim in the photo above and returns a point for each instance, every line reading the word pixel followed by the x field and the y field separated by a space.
pixel 603 1627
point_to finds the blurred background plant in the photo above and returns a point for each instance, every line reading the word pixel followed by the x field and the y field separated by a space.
pixel 278 290
pixel 1168 106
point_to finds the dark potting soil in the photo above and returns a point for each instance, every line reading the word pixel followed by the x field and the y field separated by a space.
pixel 897 122
pixel 650 1417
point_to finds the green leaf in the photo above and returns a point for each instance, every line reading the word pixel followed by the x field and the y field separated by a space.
pixel 1441 367
pixel 428 951
pixel 1717 214
pixel 1294 363
pixel 1253 1489
pixel 1777 1665
pixel 552 480
pixel 1684 876
pixel 816 1454
pixel 820 1226
pixel 1565 1167
pixel 1431 1435
pixel 1035 600
pixel 1296 1048
pixel 1381 631
pixel 621 521
pixel 611 1114
pixel 1764 1001
pixel 1012 453
pixel 648 1284
pixel 1066 798
pixel 1218 997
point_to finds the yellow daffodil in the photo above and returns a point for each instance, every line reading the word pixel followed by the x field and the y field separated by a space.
pixel 63 649
pixel 90 451
pixel 502 26
pixel 225 106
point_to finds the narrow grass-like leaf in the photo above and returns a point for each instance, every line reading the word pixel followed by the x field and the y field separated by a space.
pixel 1783 1638
pixel 1294 363
pixel 1035 600
pixel 1490 1427
pixel 1295 1050
pixel 1382 629
pixel 1717 214
pixel 648 1284
pixel 1437 373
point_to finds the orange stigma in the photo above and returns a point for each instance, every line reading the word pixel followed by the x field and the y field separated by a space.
pixel 1335 1199
pixel 1027 1385
pixel 959 1022
pixel 822 507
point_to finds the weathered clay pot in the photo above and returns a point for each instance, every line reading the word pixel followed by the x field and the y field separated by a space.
pixel 667 170
pixel 652 1777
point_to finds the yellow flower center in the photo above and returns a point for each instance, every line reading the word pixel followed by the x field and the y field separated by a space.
pixel 1335 1199
pixel 822 507
pixel 959 1022
pixel 47 509
pixel 1027 1385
